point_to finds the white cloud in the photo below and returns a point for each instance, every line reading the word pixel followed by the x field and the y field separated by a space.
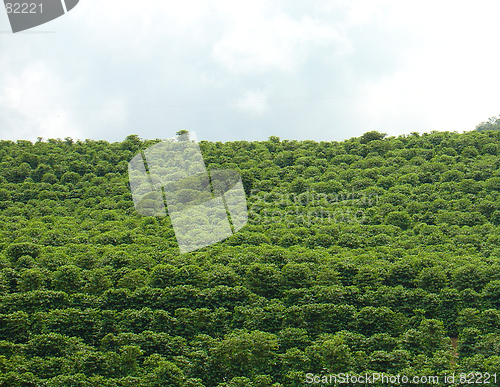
pixel 450 78
pixel 254 102
pixel 29 102
pixel 280 43
pixel 207 65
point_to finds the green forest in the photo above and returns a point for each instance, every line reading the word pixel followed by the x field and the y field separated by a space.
pixel 373 254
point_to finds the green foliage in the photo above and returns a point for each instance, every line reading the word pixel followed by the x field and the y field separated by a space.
pixel 17 250
pixel 492 123
pixel 362 255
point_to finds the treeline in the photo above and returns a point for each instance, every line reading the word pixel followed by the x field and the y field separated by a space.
pixel 370 254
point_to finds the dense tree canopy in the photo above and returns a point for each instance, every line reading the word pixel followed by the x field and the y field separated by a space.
pixel 371 254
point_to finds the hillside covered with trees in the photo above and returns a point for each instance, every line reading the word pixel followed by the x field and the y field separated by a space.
pixel 371 254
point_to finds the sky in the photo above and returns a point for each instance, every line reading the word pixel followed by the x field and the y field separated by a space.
pixel 323 70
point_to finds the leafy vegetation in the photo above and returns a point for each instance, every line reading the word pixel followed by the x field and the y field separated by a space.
pixel 370 254
pixel 493 123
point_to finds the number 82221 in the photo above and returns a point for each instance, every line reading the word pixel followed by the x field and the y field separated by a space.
pixel 24 8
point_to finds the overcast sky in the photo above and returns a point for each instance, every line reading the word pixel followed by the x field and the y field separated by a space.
pixel 322 70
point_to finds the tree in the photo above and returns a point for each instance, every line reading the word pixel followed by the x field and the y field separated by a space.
pixel 432 279
pixel 17 250
pixel 247 353
pixel 163 275
pixel 371 136
pixel 68 279
pixel 331 354
pixel 167 372
pixel 182 135
pixel 264 279
pixel 493 123
pixel 400 219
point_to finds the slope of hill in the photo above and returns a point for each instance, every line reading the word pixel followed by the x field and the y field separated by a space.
pixel 366 255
